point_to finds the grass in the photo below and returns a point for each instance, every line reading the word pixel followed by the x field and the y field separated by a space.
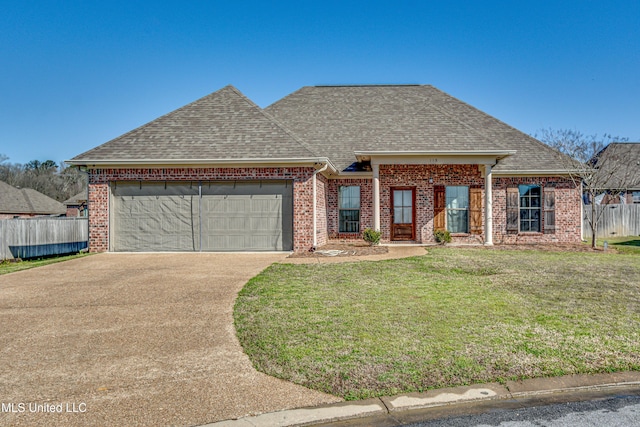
pixel 13 266
pixel 621 244
pixel 455 316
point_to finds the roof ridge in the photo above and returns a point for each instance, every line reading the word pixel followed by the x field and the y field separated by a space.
pixel 275 122
pixel 156 119
pixel 545 146
pixel 28 200
pixel 372 85
pixel 286 96
pixel 446 113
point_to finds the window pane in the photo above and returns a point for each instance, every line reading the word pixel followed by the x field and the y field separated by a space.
pixel 398 215
pixel 458 221
pixel 535 225
pixel 457 197
pixel 406 198
pixel 349 197
pixel 397 198
pixel 407 215
pixel 349 221
pixel 535 202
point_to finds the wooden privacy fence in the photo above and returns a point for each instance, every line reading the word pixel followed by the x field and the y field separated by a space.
pixel 37 237
pixel 615 221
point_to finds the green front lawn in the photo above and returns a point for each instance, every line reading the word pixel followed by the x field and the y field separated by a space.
pixel 454 316
pixel 621 244
pixel 12 266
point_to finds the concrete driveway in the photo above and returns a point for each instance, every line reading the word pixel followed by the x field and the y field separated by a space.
pixel 132 339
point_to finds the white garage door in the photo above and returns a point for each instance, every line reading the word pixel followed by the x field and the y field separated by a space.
pixel 208 216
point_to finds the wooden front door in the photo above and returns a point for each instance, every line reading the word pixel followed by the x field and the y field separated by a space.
pixel 403 213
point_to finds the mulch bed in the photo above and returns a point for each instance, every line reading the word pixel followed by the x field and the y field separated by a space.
pixel 363 248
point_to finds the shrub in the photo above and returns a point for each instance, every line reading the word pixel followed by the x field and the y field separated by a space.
pixel 442 236
pixel 372 236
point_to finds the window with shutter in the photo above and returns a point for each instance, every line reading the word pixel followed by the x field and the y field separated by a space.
pixel 457 199
pixel 530 208
pixel 549 210
pixel 439 205
pixel 513 196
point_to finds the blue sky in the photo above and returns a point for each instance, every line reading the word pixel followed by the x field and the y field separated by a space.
pixel 75 74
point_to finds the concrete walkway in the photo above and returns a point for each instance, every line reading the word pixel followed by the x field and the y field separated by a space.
pixel 133 339
pixel 413 407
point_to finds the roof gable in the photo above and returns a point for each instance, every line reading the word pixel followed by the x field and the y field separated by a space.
pixel 222 125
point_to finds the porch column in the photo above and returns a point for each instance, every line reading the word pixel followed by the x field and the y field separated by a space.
pixel 488 207
pixel 376 196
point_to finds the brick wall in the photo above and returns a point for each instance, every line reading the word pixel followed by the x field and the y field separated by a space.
pixel 98 202
pixel 99 180
pixel 567 211
pixel 424 177
pixel 321 209
pixel 366 207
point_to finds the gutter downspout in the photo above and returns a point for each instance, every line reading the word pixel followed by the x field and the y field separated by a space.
pixel 315 214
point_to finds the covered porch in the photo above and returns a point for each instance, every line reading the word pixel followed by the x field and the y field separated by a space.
pixel 416 193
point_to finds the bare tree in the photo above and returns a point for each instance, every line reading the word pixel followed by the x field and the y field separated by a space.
pixel 56 181
pixel 593 163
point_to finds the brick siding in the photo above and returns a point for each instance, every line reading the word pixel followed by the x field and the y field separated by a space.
pixel 321 209
pixel 366 207
pixel 422 177
pixel 99 180
pixel 567 211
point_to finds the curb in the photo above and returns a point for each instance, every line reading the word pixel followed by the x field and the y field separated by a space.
pixel 434 398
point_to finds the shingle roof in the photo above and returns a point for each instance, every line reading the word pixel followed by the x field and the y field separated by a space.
pixel 78 199
pixel 27 201
pixel 222 125
pixel 325 121
pixel 623 160
pixel 338 120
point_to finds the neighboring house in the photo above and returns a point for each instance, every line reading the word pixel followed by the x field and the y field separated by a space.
pixel 624 183
pixel 26 203
pixel 325 163
pixel 77 205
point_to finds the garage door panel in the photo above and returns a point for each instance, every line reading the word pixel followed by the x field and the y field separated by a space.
pixel 154 216
pixel 248 216
pixel 235 216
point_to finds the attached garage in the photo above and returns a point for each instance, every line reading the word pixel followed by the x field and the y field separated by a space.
pixel 202 216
